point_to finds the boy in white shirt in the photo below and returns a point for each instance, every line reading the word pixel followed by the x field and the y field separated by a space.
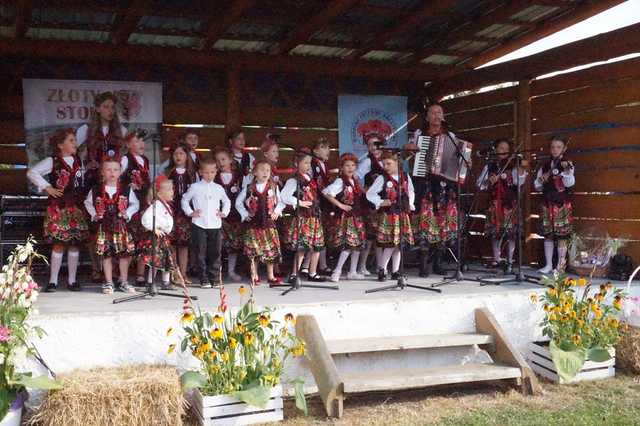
pixel 210 205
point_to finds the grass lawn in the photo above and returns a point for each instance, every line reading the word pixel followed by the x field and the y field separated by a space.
pixel 605 402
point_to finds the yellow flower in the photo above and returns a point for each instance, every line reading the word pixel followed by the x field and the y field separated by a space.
pixel 597 314
pixel 617 305
pixel 187 316
pixel 571 282
pixel 217 319
pixel 263 320
pixel 239 329
pixel 614 323
pixel 580 323
pixel 546 308
pixel 216 333
pixel 224 356
pixel 608 285
pixel 216 368
pixel 232 343
pixel 195 340
pixel 576 339
pixel 551 291
pixel 594 307
pixel 169 331
pixel 248 339
pixel 269 379
pixel 298 350
pixel 573 314
pixel 205 347
pixel 171 349
pixel 290 319
pixel 556 309
pixel 533 297
pixel 552 317
pixel 581 282
pixel 242 290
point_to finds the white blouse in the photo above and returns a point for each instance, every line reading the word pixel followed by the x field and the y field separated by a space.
pixel 335 188
pixel 37 173
pixel 483 180
pixel 373 193
pixel 288 194
pixel 568 179
pixel 132 207
pixel 164 218
pixel 242 197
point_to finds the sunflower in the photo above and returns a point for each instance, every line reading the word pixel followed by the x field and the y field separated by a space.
pixel 171 349
pixel 581 282
pixel 169 331
pixel 232 343
pixel 248 339
pixel 224 357
pixel 195 340
pixel 576 339
pixel 546 308
pixel 263 320
pixel 242 290
pixel 533 297
pixel 187 316
pixel 552 317
pixel 290 318
pixel 551 291
pixel 217 319
pixel 298 350
pixel 216 333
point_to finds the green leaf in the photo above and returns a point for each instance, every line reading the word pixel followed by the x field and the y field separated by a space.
pixel 568 363
pixel 301 401
pixel 5 401
pixel 39 382
pixel 598 355
pixel 183 346
pixel 254 394
pixel 192 380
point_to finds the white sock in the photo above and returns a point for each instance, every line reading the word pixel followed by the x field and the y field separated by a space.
pixel 231 262
pixel 355 256
pixel 150 275
pixel 344 254
pixel 322 261
pixel 55 264
pixel 562 253
pixel 364 254
pixel 512 249
pixel 165 277
pixel 385 257
pixel 548 252
pixel 396 260
pixel 495 246
pixel 73 256
pixel 306 261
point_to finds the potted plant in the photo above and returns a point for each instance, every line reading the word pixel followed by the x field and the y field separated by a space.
pixel 582 328
pixel 241 358
pixel 18 292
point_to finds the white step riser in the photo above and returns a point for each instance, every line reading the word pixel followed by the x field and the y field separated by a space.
pixel 399 343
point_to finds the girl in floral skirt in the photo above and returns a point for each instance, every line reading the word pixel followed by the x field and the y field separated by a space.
pixel 306 232
pixel 555 179
pixel 181 170
pixel 230 178
pixel 259 207
pixel 347 232
pixel 65 223
pixel 112 205
pixel 394 222
pixel 158 257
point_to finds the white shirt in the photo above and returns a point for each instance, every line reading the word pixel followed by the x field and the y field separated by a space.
pixel 242 197
pixel 37 173
pixel 124 161
pixel 211 199
pixel 132 207
pixel 165 164
pixel 238 158
pixel 288 194
pixel 82 133
pixel 483 181
pixel 335 188
pixel 568 179
pixel 373 193
pixel 164 218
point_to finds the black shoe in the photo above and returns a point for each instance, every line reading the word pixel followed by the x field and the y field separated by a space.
pixel 424 265
pixel 152 289
pixel 382 275
pixel 304 273
pixel 51 288
pixel 508 268
pixel 325 272
pixel 436 263
pixel 316 278
pixel 395 275
pixel 140 282
pixel 74 287
pixel 292 278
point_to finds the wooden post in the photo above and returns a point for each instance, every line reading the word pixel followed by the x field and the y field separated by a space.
pixel 233 98
pixel 325 373
pixel 523 141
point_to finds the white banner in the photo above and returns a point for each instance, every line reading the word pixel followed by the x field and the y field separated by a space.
pixel 53 104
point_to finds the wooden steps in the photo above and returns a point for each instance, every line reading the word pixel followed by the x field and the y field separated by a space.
pixel 420 378
pixel 333 385
pixel 399 343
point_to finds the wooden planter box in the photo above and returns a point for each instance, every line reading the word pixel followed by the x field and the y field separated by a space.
pixel 223 410
pixel 540 360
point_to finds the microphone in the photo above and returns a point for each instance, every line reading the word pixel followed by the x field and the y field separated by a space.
pixel 486 152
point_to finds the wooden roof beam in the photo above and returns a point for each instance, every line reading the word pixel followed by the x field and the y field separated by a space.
pixel 543 29
pixel 147 55
pixel 129 21
pixel 429 10
pixel 23 16
pixel 219 24
pixel 302 33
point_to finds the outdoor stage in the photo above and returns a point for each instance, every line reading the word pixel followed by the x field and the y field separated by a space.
pixel 87 330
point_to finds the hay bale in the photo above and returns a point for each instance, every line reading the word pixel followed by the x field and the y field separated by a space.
pixel 131 395
pixel 628 350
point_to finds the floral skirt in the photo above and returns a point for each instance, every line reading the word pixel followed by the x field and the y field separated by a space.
pixel 232 236
pixel 115 243
pixel 262 244
pixel 500 223
pixel 311 234
pixel 346 232
pixel 438 227
pixel 557 220
pixel 162 257
pixel 394 228
pixel 181 233
pixel 65 225
pixel 135 227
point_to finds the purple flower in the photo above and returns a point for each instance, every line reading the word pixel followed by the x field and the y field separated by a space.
pixel 4 334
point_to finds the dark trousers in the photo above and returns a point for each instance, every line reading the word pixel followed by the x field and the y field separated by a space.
pixel 208 244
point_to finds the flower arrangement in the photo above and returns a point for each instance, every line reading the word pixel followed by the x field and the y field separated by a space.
pixel 241 355
pixel 580 326
pixel 18 293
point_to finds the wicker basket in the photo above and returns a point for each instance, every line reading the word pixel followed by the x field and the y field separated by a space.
pixel 628 350
pixel 585 271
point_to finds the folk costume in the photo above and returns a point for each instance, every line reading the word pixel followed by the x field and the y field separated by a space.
pixel 181 233
pixel 306 232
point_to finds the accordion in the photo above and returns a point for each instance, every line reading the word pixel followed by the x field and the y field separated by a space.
pixel 438 156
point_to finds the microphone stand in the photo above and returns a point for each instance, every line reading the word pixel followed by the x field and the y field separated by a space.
pixel 149 291
pixel 296 283
pixel 401 283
